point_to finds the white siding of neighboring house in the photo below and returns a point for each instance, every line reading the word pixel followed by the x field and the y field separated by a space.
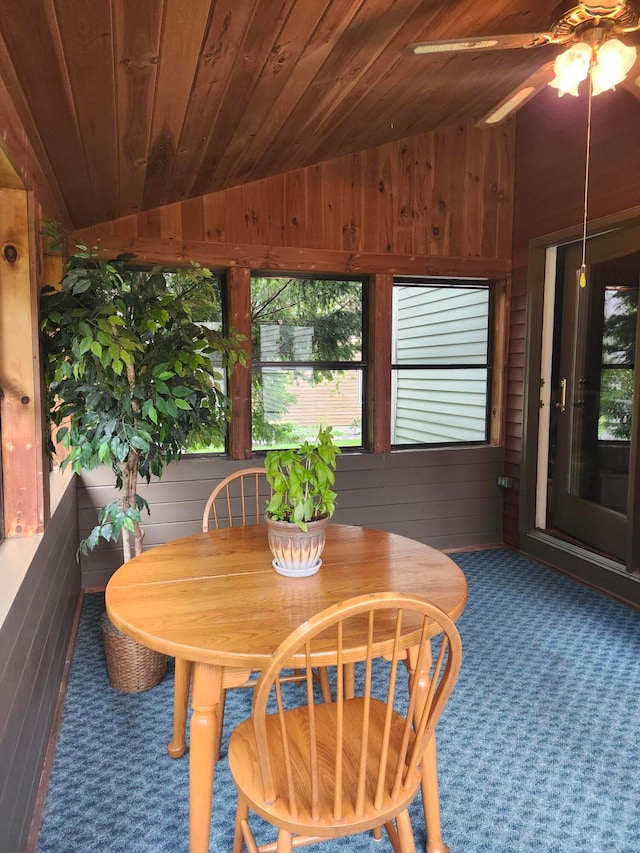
pixel 439 326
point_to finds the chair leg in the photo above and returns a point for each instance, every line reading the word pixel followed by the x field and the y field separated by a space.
pixel 405 833
pixel 325 689
pixel 285 841
pixel 242 813
pixel 249 840
pixel 392 832
pixel 178 744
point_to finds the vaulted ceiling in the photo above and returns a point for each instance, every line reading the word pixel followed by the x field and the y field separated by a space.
pixel 130 104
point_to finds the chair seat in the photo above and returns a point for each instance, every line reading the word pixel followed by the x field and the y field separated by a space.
pixel 243 761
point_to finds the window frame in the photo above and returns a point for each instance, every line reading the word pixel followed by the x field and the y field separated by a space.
pixel 361 366
pixel 459 283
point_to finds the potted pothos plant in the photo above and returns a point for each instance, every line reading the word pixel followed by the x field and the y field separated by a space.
pixel 302 502
pixel 133 372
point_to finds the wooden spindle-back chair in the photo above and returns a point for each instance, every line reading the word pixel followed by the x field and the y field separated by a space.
pixel 241 498
pixel 324 770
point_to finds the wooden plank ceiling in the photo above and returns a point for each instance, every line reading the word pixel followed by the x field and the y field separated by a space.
pixel 131 104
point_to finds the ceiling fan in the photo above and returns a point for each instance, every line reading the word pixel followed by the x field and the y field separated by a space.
pixel 589 30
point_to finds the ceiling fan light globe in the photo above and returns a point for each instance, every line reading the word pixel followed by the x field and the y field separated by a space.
pixel 613 61
pixel 565 87
pixel 571 68
pixel 601 81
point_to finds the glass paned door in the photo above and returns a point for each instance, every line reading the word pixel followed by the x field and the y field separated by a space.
pixel 594 395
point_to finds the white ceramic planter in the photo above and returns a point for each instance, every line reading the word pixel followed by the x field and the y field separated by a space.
pixel 296 553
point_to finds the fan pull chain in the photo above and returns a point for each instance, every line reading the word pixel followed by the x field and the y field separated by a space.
pixel 583 266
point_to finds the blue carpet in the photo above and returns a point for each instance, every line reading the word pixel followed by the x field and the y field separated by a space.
pixel 538 746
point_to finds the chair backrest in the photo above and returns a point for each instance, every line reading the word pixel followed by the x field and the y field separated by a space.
pixel 360 754
pixel 241 498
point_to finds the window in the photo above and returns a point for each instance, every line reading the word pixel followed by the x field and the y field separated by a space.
pixel 441 370
pixel 307 359
pixel 211 318
pixel 617 363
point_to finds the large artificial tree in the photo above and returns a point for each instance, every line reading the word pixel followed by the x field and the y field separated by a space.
pixel 133 370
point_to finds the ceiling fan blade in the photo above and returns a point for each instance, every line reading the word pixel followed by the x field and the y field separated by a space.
pixel 515 99
pixel 502 42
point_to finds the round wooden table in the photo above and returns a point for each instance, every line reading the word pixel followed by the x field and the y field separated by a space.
pixel 214 601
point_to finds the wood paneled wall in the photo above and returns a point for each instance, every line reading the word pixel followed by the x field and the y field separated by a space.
pixel 34 641
pixel 438 195
pixel 548 198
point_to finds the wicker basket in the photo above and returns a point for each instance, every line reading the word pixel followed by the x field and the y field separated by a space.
pixel 132 668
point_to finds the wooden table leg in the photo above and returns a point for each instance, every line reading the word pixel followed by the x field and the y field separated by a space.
pixel 206 696
pixel 430 795
pixel 177 746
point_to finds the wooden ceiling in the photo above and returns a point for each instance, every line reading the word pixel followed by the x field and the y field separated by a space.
pixel 131 104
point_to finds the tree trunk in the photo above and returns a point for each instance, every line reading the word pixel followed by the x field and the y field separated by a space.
pixel 130 492
pixel 131 483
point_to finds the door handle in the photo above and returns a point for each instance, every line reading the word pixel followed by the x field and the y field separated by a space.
pixel 562 403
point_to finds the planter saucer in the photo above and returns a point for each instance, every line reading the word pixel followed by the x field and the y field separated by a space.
pixel 299 573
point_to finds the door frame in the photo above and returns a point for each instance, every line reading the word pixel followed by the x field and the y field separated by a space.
pixel 574 559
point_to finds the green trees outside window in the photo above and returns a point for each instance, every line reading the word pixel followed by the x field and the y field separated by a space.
pixel 618 363
pixel 307 359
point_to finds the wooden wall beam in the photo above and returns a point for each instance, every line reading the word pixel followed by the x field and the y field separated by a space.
pixel 25 488
pixel 239 302
pixel 379 370
pixel 500 360
pixel 158 250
